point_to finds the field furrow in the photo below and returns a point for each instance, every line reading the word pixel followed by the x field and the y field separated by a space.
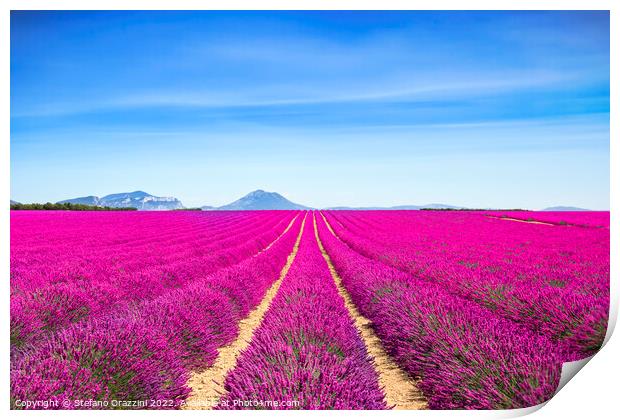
pixel 401 390
pixel 307 352
pixel 208 386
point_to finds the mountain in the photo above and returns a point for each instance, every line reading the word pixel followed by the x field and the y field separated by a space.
pixel 564 208
pixel 262 200
pixel 136 199
pixel 90 200
pixel 14 202
pixel 141 201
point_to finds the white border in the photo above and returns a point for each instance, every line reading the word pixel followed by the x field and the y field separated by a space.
pixel 592 395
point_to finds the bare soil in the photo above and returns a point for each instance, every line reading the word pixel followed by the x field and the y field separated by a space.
pixel 534 222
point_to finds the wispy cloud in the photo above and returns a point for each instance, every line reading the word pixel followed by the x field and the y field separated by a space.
pixel 467 86
pixel 215 67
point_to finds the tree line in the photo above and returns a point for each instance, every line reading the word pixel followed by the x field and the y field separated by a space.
pixel 67 206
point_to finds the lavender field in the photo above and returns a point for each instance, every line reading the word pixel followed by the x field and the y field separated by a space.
pixel 302 309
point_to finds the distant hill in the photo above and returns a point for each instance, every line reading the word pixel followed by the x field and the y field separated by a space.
pixel 403 207
pixel 15 202
pixel 263 200
pixel 564 208
pixel 260 200
pixel 90 200
pixel 138 199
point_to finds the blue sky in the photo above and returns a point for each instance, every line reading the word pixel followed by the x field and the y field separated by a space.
pixel 484 109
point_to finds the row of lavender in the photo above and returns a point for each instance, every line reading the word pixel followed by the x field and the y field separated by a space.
pixel 115 281
pixel 553 280
pixel 307 349
pixel 145 352
pixel 465 355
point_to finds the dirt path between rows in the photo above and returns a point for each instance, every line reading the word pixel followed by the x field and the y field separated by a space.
pixel 279 236
pixel 208 386
pixel 534 222
pixel 400 389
